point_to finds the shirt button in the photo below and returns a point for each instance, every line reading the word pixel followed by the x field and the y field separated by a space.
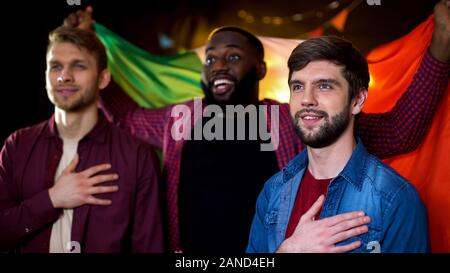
pixel 27 230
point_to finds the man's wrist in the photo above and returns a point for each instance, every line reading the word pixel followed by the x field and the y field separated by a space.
pixel 439 48
pixel 51 194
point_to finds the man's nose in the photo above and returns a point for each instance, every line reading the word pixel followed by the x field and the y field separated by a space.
pixel 65 76
pixel 309 98
pixel 221 65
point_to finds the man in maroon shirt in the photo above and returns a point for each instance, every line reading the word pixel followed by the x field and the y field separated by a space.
pixel 76 183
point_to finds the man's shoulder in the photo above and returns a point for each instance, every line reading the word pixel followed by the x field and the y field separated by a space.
pixel 27 133
pixel 385 179
pixel 273 102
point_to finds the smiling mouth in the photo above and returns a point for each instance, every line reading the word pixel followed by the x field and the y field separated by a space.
pixel 310 118
pixel 66 92
pixel 222 86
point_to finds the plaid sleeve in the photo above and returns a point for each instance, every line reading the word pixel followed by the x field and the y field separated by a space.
pixel 403 128
pixel 115 103
pixel 146 124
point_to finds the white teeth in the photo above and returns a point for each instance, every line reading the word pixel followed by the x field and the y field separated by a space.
pixel 310 117
pixel 222 81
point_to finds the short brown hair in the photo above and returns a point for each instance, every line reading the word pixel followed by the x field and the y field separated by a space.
pixel 82 39
pixel 336 50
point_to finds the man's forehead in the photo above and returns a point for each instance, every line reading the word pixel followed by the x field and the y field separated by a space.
pixel 228 39
pixel 325 66
pixel 321 69
pixel 67 50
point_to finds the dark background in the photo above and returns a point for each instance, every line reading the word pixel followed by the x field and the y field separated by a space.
pixel 25 26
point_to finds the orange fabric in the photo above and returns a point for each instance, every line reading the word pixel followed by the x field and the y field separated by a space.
pixel 392 67
pixel 339 20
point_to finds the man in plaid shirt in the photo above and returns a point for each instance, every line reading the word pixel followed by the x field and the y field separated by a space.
pixel 212 186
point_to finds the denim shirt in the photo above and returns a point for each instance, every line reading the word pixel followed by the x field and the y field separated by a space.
pixel 398 216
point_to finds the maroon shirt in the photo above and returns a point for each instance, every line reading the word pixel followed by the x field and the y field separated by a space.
pixel 310 189
pixel 28 162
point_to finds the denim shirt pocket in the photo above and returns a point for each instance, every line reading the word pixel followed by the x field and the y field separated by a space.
pixel 370 241
pixel 270 219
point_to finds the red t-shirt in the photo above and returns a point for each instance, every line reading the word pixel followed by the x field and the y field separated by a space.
pixel 310 189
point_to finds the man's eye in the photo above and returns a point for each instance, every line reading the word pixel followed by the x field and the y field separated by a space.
pixel 297 87
pixel 233 58
pixel 210 60
pixel 79 66
pixel 55 67
pixel 324 86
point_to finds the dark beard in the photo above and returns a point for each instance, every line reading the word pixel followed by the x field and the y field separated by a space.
pixel 245 92
pixel 329 132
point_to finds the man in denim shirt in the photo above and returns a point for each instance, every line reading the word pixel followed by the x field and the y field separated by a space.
pixel 368 206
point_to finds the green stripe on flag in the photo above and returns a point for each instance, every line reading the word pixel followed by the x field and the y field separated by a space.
pixel 152 81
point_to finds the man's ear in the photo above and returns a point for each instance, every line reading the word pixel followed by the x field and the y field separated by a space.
pixel 104 79
pixel 262 70
pixel 359 101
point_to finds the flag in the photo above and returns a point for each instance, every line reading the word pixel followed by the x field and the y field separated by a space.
pixel 392 67
pixel 152 81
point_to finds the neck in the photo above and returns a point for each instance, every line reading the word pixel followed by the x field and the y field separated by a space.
pixel 75 125
pixel 255 95
pixel 328 162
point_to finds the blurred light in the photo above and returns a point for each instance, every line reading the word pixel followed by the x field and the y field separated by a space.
pixel 164 41
pixel 242 13
pixel 333 5
pixel 249 18
pixel 266 20
pixel 277 21
pixel 372 82
pixel 297 17
pixel 283 96
pixel 274 61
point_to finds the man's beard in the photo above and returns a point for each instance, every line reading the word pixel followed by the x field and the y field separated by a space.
pixel 328 133
pixel 244 91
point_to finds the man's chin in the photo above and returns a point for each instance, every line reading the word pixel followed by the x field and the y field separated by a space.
pixel 67 108
pixel 73 107
pixel 222 99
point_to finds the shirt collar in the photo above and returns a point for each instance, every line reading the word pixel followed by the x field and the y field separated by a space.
pixel 353 172
pixel 356 168
pixel 98 133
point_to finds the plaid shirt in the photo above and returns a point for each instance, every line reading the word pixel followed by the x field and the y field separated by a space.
pixel 384 135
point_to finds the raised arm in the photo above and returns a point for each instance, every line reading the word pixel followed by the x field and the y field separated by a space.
pixel 403 128
pixel 147 124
